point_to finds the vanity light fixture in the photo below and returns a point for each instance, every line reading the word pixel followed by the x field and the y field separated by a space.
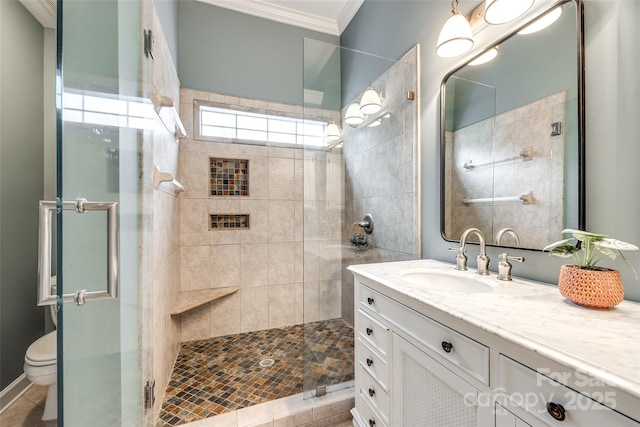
pixel 543 22
pixel 333 131
pixel 455 37
pixel 486 57
pixel 353 116
pixel 502 11
pixel 370 103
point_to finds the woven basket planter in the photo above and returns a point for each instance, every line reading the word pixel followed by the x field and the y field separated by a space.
pixel 597 287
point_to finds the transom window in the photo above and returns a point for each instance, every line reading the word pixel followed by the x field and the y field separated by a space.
pixel 236 125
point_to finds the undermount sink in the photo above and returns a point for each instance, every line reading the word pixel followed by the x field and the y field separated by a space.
pixel 445 281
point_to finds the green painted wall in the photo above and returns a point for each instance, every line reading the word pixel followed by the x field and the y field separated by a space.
pixel 233 53
pixel 21 184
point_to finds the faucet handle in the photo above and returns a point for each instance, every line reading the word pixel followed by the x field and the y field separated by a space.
pixel 504 266
pixel 461 258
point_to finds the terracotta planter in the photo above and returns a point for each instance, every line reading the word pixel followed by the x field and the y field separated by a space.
pixel 597 287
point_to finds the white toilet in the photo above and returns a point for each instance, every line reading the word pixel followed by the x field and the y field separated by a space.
pixel 40 366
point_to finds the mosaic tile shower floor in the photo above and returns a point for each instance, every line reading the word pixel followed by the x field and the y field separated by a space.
pixel 222 374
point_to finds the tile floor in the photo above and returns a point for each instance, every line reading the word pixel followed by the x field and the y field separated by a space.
pixel 27 410
pixel 223 374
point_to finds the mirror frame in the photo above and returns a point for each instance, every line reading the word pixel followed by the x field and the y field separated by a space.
pixel 581 117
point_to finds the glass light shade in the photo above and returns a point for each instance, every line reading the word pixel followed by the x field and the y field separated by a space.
pixel 333 132
pixel 485 57
pixel 502 11
pixel 370 103
pixel 353 116
pixel 455 37
pixel 543 22
pixel 376 122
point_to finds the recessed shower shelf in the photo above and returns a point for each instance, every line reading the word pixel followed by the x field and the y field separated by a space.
pixel 188 300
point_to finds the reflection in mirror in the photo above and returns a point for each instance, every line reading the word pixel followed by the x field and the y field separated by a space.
pixel 512 138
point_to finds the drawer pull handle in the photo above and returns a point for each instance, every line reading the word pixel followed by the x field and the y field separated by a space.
pixel 370 301
pixel 372 423
pixel 371 392
pixel 369 362
pixel 369 331
pixel 556 411
pixel 447 346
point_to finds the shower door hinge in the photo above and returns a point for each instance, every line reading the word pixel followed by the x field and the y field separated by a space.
pixel 148 43
pixel 149 393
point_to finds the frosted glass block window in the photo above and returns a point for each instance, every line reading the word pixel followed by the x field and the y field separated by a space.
pixel 239 126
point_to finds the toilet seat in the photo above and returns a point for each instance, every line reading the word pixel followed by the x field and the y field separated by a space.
pixel 42 352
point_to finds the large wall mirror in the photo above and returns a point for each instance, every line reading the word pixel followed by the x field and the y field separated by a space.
pixel 513 137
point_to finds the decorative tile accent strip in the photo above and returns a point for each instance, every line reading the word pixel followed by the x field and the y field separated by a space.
pixel 229 177
pixel 228 221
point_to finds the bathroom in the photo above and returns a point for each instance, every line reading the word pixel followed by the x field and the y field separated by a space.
pixel 387 29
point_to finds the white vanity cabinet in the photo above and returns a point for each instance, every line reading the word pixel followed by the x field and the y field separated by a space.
pixel 413 371
pixel 422 361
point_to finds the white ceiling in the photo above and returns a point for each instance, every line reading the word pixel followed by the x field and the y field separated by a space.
pixel 326 16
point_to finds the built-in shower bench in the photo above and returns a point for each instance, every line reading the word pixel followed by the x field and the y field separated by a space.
pixel 188 300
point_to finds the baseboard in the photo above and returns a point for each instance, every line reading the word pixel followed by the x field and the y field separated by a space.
pixel 13 391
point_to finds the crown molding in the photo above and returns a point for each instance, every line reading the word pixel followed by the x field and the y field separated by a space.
pixel 350 9
pixel 281 14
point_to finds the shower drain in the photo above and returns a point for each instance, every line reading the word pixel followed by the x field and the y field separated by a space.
pixel 265 363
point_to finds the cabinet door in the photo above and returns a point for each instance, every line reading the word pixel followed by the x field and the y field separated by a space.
pixel 425 393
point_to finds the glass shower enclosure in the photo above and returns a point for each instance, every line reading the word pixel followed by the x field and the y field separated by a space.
pixel 360 193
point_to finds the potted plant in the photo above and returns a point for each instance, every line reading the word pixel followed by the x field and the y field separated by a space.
pixel 584 282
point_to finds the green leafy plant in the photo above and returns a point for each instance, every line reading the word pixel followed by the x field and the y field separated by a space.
pixel 587 249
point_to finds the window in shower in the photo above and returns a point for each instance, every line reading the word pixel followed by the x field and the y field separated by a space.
pixel 217 123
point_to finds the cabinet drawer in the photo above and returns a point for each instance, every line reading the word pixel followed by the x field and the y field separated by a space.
pixel 376 366
pixel 373 392
pixel 367 416
pixel 469 355
pixel 374 301
pixel 374 332
pixel 549 400
pixel 465 353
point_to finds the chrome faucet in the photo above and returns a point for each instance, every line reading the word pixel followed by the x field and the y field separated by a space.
pixel 509 231
pixel 504 266
pixel 483 260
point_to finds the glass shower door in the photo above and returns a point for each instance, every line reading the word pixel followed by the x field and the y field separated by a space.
pixel 366 166
pixel 100 126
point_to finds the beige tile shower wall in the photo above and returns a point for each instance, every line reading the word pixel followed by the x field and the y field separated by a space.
pixel 266 261
pixel 160 250
pixel 536 223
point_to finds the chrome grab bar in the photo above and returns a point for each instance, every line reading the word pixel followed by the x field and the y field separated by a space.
pixel 44 251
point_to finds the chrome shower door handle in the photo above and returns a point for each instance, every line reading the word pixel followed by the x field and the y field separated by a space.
pixel 45 229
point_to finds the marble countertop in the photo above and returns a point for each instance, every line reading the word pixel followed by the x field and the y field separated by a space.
pixel 603 342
